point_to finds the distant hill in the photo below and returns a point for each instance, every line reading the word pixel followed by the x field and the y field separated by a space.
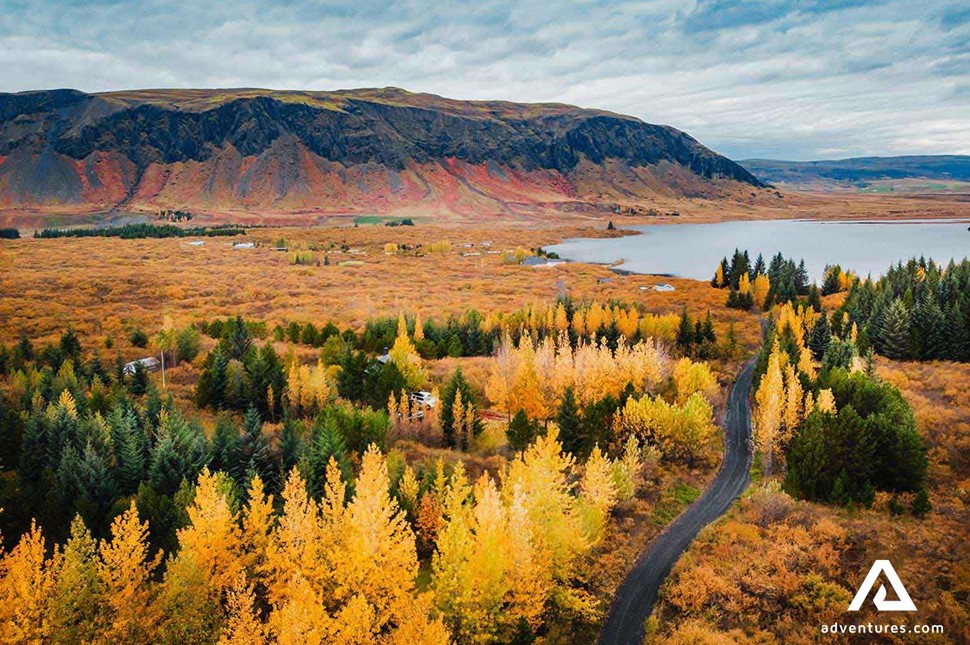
pixel 367 150
pixel 941 173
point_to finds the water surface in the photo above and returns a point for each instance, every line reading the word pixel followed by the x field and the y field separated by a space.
pixel 693 250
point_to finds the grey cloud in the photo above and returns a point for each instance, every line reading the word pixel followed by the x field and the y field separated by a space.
pixel 778 78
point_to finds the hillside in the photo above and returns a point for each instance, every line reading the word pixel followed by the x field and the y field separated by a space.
pixel 369 150
pixel 928 173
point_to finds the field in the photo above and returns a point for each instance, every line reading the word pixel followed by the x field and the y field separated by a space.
pixel 107 287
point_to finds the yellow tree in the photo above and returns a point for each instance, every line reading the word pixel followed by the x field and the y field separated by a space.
pixel 561 320
pixel 296 569
pixel 770 399
pixel 27 580
pixel 257 530
pixel 793 401
pixel 406 358
pixel 125 573
pixel 418 328
pixel 76 614
pixel 719 276
pixel 598 495
pixel 627 322
pixel 690 377
pixel 211 543
pixel 164 342
pixel 375 559
pixel 759 290
pixel 579 323
pixel 744 284
pixel 243 626
pixel 826 401
pixel 542 474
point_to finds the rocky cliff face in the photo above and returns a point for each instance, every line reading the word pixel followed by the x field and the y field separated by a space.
pixel 359 150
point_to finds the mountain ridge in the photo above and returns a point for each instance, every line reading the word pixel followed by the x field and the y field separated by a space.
pixel 372 149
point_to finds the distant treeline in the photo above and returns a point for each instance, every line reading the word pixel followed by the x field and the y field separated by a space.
pixel 136 231
pixel 9 234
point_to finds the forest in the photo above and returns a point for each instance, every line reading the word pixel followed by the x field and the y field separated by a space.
pixel 272 520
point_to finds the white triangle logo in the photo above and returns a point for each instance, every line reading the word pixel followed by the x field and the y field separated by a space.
pixel 905 603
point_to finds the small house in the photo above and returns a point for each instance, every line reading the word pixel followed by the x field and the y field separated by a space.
pixel 149 364
pixel 244 245
pixel 663 286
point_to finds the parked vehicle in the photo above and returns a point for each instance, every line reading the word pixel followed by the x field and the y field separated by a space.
pixel 424 399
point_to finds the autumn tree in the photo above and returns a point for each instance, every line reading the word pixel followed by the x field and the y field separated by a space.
pixel 125 572
pixel 768 414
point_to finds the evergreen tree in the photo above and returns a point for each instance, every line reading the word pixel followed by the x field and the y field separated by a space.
pixel 821 337
pixel 291 446
pixel 254 457
pixel 894 327
pixel 350 381
pixel 685 332
pixel 521 431
pixel 237 340
pixel 131 449
pixel 570 424
pixel 921 503
pixel 326 443
pixel 224 447
pixel 455 384
pixel 179 454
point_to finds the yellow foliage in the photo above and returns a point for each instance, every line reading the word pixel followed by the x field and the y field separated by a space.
pixel 533 377
pixel 826 401
pixel 660 327
pixel 27 582
pixel 679 431
pixel 759 290
pixel 769 409
pixel 125 573
pixel 690 377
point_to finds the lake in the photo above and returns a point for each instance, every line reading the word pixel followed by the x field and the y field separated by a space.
pixel 693 250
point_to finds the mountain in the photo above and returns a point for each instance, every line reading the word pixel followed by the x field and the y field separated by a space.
pixel 931 173
pixel 367 150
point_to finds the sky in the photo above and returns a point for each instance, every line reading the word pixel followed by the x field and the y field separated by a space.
pixel 782 79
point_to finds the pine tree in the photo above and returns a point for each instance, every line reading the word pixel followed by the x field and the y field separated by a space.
pixel 456 383
pixel 521 431
pixel 821 337
pixel 253 456
pixel 224 447
pixel 179 454
pixel 685 332
pixel 893 341
pixel 570 424
pixel 291 445
pixel 327 444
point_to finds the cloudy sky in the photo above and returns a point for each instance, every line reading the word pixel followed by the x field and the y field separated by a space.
pixel 790 79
